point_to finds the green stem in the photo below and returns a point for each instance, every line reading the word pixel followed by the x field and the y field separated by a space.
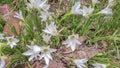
pixel 67 14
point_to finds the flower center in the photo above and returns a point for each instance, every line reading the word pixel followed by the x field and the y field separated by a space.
pixel 72 38
pixel 88 13
pixel 54 32
pixel 10 40
pixel 45 50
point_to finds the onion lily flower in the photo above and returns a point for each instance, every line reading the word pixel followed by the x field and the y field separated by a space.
pixel 34 52
pixel 38 4
pixel 80 62
pixel 72 41
pixel 51 29
pixel 11 41
pixel 76 8
pixel 46 54
pixel 110 3
pixel 46 38
pixel 99 65
pixel 45 15
pixel 87 11
pixel 107 11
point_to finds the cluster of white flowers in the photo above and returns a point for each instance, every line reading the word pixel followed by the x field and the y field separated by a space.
pixel 38 52
pixel 85 11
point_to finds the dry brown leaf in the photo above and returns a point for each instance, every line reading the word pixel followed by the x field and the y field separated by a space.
pixel 84 51
pixel 82 38
pixel 8 17
pixel 4 9
pixel 56 63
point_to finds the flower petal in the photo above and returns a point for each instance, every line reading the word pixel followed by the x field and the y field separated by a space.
pixel 46 60
pixel 27 53
pixel 2 63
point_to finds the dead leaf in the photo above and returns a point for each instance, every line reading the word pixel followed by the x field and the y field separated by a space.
pixel 56 63
pixel 8 17
pixel 4 9
pixel 82 38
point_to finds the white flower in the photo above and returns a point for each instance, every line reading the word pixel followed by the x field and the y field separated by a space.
pixel 46 38
pixel 45 53
pixel 45 7
pixel 37 4
pixel 19 15
pixel 51 29
pixel 80 62
pixel 110 3
pixel 99 65
pixel 72 41
pixel 1 36
pixel 2 63
pixel 12 41
pixel 76 8
pixel 34 52
pixel 87 11
pixel 107 11
pixel 45 15
pixel 95 1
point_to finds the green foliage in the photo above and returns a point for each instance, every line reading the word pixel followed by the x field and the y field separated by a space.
pixel 6 1
pixel 2 23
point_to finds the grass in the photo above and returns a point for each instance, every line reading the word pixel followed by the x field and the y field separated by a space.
pixel 96 27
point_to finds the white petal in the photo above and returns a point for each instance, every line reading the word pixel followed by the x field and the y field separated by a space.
pixel 82 60
pixel 46 60
pixel 27 53
pixel 41 56
pixel 2 63
pixel 52 50
pixel 73 47
pixel 99 65
pixel 31 47
pixel 78 42
pixel 47 31
pixel 66 42
pixel 49 56
pixel 11 46
pixel 16 40
pixel 31 57
pixel 79 66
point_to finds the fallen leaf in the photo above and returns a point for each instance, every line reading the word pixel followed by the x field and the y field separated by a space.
pixel 56 63
pixel 82 38
pixel 8 17
pixel 4 9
